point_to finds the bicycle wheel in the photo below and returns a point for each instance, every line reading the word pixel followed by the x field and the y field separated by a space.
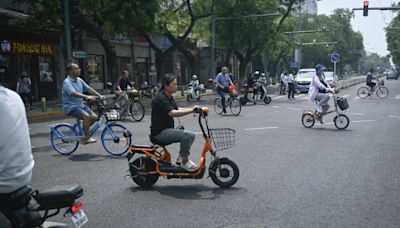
pixel 362 92
pixel 218 105
pixel 137 110
pixel 114 140
pixel 341 121
pixel 64 139
pixel 308 120
pixel 382 92
pixel 234 105
pixel 267 99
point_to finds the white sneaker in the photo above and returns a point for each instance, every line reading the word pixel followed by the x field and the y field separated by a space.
pixel 189 166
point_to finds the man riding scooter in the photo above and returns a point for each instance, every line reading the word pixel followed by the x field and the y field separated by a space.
pixel 194 88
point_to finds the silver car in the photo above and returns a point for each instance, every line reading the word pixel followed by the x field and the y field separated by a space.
pixel 392 74
pixel 303 79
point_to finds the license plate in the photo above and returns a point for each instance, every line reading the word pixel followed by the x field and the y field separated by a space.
pixel 79 219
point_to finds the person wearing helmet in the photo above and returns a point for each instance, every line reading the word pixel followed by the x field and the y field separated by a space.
pixel 314 93
pixel 195 84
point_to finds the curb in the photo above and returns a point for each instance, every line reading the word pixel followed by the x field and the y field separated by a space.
pixel 44 115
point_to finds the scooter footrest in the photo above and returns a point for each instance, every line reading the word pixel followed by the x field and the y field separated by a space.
pixel 173 169
pixel 59 197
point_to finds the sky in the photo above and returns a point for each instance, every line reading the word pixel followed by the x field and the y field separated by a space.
pixel 371 27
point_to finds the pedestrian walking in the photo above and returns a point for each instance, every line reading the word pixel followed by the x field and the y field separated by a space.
pixel 283 81
pixel 24 88
pixel 290 82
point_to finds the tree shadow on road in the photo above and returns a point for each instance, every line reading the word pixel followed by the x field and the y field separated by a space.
pixel 190 192
pixel 92 157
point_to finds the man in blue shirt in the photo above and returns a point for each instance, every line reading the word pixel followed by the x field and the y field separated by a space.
pixel 223 82
pixel 73 94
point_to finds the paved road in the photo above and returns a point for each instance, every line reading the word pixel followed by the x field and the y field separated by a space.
pixel 290 176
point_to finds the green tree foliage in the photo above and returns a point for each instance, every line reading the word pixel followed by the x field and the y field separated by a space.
pixel 248 36
pixel 102 18
pixel 333 28
pixel 393 40
pixel 176 21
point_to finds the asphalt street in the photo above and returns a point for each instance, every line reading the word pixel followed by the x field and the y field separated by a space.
pixel 290 176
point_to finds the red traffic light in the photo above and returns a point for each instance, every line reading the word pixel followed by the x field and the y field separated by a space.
pixel 366 3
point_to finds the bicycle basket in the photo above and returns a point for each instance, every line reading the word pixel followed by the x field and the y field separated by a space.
pixel 233 90
pixel 342 103
pixel 223 138
pixel 112 115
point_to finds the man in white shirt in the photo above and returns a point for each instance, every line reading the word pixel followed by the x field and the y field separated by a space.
pixel 16 161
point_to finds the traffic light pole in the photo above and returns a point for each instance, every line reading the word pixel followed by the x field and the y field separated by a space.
pixel 67 31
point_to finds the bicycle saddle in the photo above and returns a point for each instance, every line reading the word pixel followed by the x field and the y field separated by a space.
pixel 156 142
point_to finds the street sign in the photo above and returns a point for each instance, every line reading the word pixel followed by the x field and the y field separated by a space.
pixel 335 58
pixel 79 54
pixel 293 65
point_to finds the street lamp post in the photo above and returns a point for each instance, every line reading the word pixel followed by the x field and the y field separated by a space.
pixel 214 20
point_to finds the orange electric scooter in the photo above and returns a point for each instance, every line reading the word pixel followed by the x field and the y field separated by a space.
pixel 155 160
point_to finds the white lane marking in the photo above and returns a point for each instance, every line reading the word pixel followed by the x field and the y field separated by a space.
pixel 346 95
pixel 397 117
pixel 296 109
pixel 198 133
pixel 397 96
pixel 278 97
pixel 362 121
pixel 356 113
pixel 259 128
pixel 357 98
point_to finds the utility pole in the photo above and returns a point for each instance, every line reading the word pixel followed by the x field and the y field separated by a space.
pixel 67 31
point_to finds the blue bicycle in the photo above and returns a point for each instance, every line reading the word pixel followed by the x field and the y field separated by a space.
pixel 115 138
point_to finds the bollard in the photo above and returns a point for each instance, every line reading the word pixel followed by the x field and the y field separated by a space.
pixel 43 100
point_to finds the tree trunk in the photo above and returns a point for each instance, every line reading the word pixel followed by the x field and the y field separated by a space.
pixel 111 56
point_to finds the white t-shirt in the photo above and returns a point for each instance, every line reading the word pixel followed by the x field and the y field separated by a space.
pixel 16 160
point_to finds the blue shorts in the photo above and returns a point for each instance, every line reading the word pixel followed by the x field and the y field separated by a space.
pixel 77 112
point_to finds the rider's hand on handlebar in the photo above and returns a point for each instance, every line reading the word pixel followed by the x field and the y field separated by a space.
pixel 196 108
pixel 102 97
pixel 91 98
pixel 331 90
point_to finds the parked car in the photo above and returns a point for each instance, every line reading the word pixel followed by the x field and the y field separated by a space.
pixel 392 74
pixel 303 79
pixel 330 79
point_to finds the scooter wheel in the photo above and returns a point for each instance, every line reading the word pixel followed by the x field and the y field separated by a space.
pixel 224 173
pixel 341 121
pixel 139 168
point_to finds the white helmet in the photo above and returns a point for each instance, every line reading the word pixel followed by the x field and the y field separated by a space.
pixel 194 77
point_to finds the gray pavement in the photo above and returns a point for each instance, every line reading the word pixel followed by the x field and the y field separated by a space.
pixel 290 176
pixel 53 109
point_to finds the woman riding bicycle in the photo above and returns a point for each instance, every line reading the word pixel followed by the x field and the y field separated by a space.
pixel 223 81
pixel 316 85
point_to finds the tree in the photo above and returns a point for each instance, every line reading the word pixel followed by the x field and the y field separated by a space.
pixel 104 19
pixel 176 22
pixel 247 37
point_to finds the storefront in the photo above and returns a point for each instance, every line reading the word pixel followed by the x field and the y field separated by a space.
pixel 34 53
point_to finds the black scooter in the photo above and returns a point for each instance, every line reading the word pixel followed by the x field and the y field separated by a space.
pixel 28 208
